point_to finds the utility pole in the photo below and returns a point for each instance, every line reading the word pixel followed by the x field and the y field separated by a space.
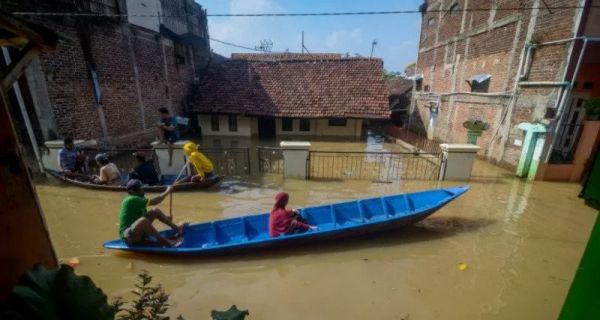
pixel 373 44
pixel 302 41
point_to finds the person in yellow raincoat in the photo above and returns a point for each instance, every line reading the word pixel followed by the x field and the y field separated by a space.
pixel 204 167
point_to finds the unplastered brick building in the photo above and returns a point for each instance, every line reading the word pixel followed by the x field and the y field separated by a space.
pixel 117 62
pixel 505 62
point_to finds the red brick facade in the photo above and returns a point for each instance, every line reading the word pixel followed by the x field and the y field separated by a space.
pixel 457 44
pixel 137 73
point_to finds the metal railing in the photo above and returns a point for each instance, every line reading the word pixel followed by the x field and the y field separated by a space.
pixel 418 141
pixel 375 166
pixel 229 161
pixel 122 158
pixel 270 160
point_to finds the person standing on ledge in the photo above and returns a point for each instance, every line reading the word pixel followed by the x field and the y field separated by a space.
pixel 135 220
pixel 168 126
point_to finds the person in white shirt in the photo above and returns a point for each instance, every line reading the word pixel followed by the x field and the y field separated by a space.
pixel 109 173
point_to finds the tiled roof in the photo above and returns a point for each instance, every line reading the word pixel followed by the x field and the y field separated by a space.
pixel 350 88
pixel 398 86
pixel 285 56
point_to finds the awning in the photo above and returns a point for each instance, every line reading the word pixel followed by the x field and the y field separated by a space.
pixel 416 76
pixel 480 78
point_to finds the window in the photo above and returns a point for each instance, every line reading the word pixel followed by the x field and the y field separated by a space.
pixel 337 122
pixel 431 21
pixel 180 52
pixel 232 123
pixel 214 123
pixel 479 83
pixel 304 124
pixel 286 124
pixel 454 9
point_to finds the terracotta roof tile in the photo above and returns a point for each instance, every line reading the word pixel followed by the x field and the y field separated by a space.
pixel 351 88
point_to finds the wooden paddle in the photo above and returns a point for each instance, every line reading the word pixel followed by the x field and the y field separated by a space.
pixel 171 194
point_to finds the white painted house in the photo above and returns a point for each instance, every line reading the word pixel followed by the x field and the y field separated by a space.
pixel 290 94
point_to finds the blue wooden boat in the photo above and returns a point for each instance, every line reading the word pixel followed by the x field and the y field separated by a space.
pixel 333 220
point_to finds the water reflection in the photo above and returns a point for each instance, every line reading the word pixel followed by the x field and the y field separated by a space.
pixel 520 241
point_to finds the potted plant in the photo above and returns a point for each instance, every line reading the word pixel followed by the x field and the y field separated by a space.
pixel 475 129
pixel 592 109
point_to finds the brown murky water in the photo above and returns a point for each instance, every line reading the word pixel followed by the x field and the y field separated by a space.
pixel 521 243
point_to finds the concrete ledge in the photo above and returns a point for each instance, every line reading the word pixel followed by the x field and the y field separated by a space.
pixel 460 148
pixel 295 145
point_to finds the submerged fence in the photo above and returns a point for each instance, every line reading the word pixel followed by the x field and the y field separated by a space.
pixel 229 161
pixel 270 160
pixel 375 166
pixel 418 141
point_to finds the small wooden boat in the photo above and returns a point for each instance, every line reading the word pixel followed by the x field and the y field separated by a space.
pixel 185 186
pixel 333 221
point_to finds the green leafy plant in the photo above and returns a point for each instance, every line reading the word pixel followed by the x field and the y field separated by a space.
pixel 56 294
pixel 592 109
pixel 476 125
pixel 151 302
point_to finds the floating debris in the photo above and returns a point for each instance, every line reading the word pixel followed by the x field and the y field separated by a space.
pixel 462 266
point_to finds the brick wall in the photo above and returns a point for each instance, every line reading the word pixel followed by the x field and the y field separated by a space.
pixel 130 63
pixel 457 46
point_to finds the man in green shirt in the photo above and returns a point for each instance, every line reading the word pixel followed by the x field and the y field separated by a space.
pixel 135 221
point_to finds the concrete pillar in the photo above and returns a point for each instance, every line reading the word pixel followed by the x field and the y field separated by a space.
pixel 179 158
pixel 295 155
pixel 533 144
pixel 458 161
pixel 50 157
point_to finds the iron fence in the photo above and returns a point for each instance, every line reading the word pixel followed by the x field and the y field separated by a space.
pixel 229 161
pixel 418 141
pixel 375 166
pixel 270 160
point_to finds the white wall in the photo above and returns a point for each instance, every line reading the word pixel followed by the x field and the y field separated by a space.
pixel 144 7
pixel 296 128
pixel 353 128
pixel 320 127
pixel 246 126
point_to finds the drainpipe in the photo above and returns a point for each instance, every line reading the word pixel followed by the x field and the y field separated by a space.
pixel 565 98
pixel 546 83
pixel 524 67
pixel 23 110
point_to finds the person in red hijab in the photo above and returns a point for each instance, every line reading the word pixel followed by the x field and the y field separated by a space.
pixel 283 221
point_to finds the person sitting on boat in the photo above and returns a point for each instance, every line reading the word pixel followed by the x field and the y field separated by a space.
pixel 70 159
pixel 135 220
pixel 144 170
pixel 109 172
pixel 285 222
pixel 204 167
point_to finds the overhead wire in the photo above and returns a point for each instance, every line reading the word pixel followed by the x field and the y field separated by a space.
pixel 300 14
pixel 236 45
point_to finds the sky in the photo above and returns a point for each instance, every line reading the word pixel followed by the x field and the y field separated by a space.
pixel 397 35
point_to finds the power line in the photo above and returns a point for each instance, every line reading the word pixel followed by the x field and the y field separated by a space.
pixel 366 13
pixel 303 14
pixel 236 45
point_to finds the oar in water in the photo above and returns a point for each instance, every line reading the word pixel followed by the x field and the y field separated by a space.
pixel 171 194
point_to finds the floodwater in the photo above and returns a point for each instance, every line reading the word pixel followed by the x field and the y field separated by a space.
pixel 521 243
